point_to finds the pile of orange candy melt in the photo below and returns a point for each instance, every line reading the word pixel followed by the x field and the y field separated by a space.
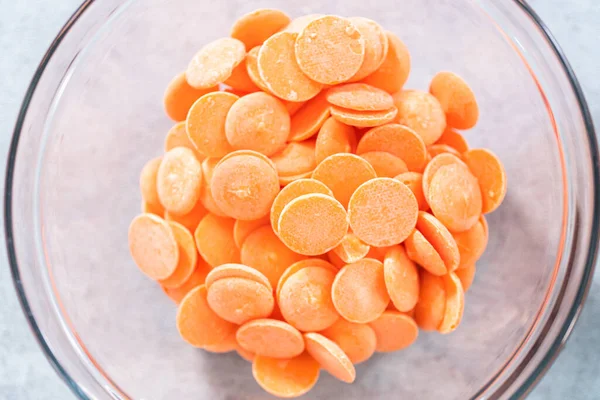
pixel 308 210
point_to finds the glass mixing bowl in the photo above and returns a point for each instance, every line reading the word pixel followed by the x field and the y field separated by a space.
pixel 93 116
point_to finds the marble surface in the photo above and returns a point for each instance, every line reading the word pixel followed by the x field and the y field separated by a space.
pixel 26 29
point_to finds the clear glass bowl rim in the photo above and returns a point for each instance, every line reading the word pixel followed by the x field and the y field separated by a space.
pixel 528 384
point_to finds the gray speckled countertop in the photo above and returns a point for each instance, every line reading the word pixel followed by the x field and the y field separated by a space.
pixel 26 29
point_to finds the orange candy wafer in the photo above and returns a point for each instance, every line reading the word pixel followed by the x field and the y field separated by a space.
pixel 427 160
pixel 334 137
pixel 296 158
pixel 254 75
pixel 385 42
pixel 240 80
pixel 453 139
pixel 351 249
pixel 286 378
pixel 336 260
pixel 367 278
pixel 343 173
pixel 248 153
pixel 254 28
pixel 214 240
pixel 156 209
pixel 305 299
pixel 276 314
pixel 237 92
pixel 440 238
pixel 252 69
pixel 279 70
pixel 363 118
pixel 214 63
pixel 471 244
pixel 330 50
pixel 179 97
pixel 414 181
pixel 239 300
pixel 423 253
pixel 455 303
pixel 148 182
pixel 245 354
pixel 178 181
pixel 382 212
pixel 401 279
pixel 358 341
pixel 236 271
pixel 270 338
pixel 385 164
pixel 397 139
pixel 434 165
pixel 196 279
pixel 466 276
pixel 258 122
pixel 331 357
pixel 153 246
pixel 243 229
pixel 312 224
pixel 292 191
pixel 436 149
pixel 309 118
pixel 244 186
pixel 360 97
pixel 191 219
pixel 299 23
pixel 293 106
pixel 393 73
pixel 206 197
pixel 421 112
pixel 376 46
pixel 286 180
pixel 455 198
pixel 485 226
pixel 456 98
pixel 227 345
pixel 264 251
pixel 198 324
pixel 394 331
pixel 188 257
pixel 430 309
pixel 206 123
pixel 297 266
pixel 178 137
pixel 378 253
pixel 489 171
